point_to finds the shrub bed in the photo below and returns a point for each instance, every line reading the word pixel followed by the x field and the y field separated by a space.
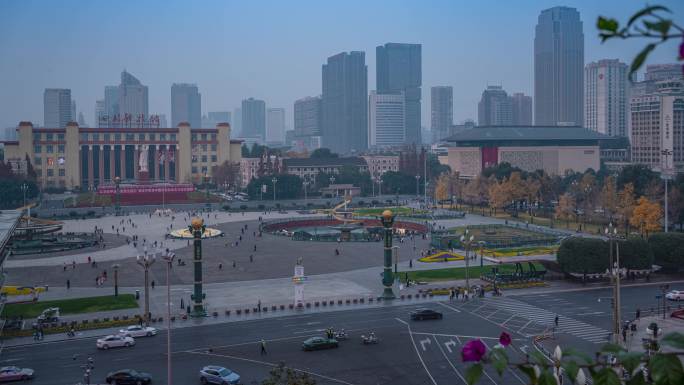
pixel 668 250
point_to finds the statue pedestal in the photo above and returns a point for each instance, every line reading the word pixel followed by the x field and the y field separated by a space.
pixel 143 177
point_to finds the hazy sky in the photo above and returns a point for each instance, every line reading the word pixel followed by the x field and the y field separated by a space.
pixel 273 50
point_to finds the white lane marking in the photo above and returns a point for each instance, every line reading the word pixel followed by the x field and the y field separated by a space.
pixel 509 369
pixel 272 365
pixel 12 360
pixel 449 344
pixel 425 341
pixel 402 321
pixel 415 347
pixel 448 307
pixel 449 361
pixel 308 331
pixel 457 336
pixel 591 313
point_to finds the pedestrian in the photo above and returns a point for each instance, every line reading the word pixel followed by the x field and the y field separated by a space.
pixel 234 264
pixel 68 284
pixel 624 335
pixel 251 257
pixel 140 321
pixel 263 347
pixel 220 266
pixel 97 281
pixel 65 266
pixel 411 263
pixel 555 321
pixel 638 314
pixel 73 265
pixel 255 248
pixel 259 305
pixel 153 284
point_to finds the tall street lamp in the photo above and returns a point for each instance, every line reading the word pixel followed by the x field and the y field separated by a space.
pixel 274 180
pixel 146 260
pixel 197 228
pixel 417 186
pixel 387 279
pixel 467 242
pixel 614 272
pixel 305 184
pixel 168 257
pixel 24 189
pixel 332 181
pixel 117 206
pixel 116 267
pixel 206 191
pixel 666 175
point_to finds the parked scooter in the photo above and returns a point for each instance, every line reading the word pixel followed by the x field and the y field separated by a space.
pixel 369 339
pixel 341 335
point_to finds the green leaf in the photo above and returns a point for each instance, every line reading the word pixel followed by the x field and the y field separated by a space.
pixel 612 348
pixel 547 378
pixel 499 360
pixel 538 357
pixel 637 379
pixel 606 376
pixel 604 24
pixel 674 339
pixel 529 371
pixel 571 369
pixel 473 374
pixel 662 27
pixel 666 369
pixel 570 352
pixel 630 360
pixel 640 58
pixel 647 11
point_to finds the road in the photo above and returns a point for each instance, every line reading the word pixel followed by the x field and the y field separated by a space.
pixel 410 352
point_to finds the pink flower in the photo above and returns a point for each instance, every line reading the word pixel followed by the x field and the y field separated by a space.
pixel 473 351
pixel 681 50
pixel 505 339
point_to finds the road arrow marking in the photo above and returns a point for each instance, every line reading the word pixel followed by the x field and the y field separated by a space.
pixel 523 349
pixel 425 341
pixel 448 345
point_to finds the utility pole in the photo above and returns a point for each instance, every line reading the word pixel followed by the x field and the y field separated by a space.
pixel 614 271
pixel 666 175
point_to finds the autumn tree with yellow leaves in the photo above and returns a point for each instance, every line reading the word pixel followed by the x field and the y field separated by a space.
pixel 646 216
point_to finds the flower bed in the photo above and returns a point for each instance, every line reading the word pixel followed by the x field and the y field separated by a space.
pixel 440 257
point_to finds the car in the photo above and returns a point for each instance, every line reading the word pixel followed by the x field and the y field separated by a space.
pixel 212 374
pixel 128 376
pixel 138 331
pixel 422 314
pixel 675 295
pixel 316 343
pixel 13 373
pixel 112 341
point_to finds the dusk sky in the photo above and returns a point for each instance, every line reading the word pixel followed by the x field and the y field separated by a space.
pixel 273 50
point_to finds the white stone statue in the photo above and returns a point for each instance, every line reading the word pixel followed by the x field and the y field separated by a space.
pixel 142 159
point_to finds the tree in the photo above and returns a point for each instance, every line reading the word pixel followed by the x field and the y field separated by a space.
pixel 626 203
pixel 442 188
pixel 287 187
pixel 646 216
pixel 499 195
pixel 639 175
pixel 227 173
pixel 476 191
pixel 566 208
pixel 675 205
pixel 500 170
pixel 397 182
pixel 323 153
pixel 608 198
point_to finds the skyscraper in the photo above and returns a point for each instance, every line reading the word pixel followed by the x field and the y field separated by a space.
pixel 399 68
pixel 99 111
pixel 558 67
pixel 441 111
pixel 386 119
pixel 73 110
pixel 605 97
pixel 345 102
pixel 111 101
pixel 254 119
pixel 186 105
pixel 132 97
pixel 275 125
pixel 237 122
pixel 655 73
pixel 56 107
pixel 307 121
pixel 521 105
pixel 495 108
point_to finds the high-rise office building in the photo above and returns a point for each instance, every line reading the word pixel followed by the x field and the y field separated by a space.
pixel 399 68
pixel 99 111
pixel 275 125
pixel 307 122
pixel 494 108
pixel 605 97
pixel 214 117
pixel 521 106
pixel 558 68
pixel 441 111
pixel 133 98
pixel 111 101
pixel 81 120
pixel 237 122
pixel 56 107
pixel 655 73
pixel 345 102
pixel 254 119
pixel 186 105
pixel 386 119
pixel 657 125
pixel 73 110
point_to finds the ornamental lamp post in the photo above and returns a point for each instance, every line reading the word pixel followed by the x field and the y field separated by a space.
pixel 168 257
pixel 467 242
pixel 146 260
pixel 117 189
pixel 387 279
pixel 274 180
pixel 417 186
pixel 614 272
pixel 197 229
pixel 116 267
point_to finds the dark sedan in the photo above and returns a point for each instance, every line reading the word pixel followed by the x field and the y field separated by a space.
pixel 316 343
pixel 128 376
pixel 422 314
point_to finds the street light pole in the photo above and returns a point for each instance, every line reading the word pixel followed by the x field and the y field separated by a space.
pixel 146 260
pixel 206 191
pixel 467 241
pixel 614 270
pixel 274 180
pixel 417 186
pixel 116 279
pixel 168 257
pixel 666 175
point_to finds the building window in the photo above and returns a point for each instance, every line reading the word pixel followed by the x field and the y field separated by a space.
pixel 36 136
pixel 60 137
pixel 96 137
pixel 49 149
pixel 173 137
pixel 130 137
pixel 162 136
pixel 213 158
pixel 50 172
pixel 141 137
pixel 213 147
pixel 37 161
pixel 194 169
pixel 194 159
pixel 204 159
pixel 213 136
pixel 193 137
pixel 62 172
pixel 204 136
pixel 84 136
pixel 37 149
pixel 49 136
pixel 204 169
pixel 60 148
pixel 106 137
pixel 117 137
pixel 204 147
pixel 151 136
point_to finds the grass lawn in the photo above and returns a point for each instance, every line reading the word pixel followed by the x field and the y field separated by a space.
pixel 71 306
pixel 379 210
pixel 454 273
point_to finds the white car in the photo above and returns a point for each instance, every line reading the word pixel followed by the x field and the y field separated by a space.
pixel 115 342
pixel 138 331
pixel 675 295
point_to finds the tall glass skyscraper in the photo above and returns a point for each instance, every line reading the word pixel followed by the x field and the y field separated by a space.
pixel 442 111
pixel 345 103
pixel 558 67
pixel 399 68
pixel 186 105
pixel 254 119
pixel 57 107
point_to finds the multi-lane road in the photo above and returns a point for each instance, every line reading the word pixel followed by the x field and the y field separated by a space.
pixel 409 352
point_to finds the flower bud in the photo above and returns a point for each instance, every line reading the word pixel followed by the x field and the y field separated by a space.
pixel 557 354
pixel 581 378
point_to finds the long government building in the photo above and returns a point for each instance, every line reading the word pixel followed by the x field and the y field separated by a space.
pixel 82 157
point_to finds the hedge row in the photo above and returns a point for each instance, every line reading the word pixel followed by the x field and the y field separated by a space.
pixel 591 255
pixel 668 250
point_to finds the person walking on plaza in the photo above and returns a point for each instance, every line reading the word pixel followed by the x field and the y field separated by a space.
pixel 555 321
pixel 263 347
pixel 68 284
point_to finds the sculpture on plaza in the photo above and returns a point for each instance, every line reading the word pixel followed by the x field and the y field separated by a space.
pixel 142 158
